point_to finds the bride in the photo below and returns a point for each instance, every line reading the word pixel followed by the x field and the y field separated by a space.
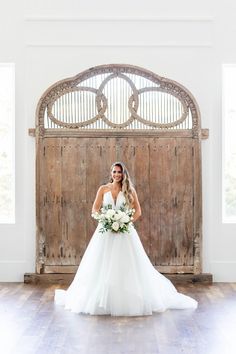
pixel 115 275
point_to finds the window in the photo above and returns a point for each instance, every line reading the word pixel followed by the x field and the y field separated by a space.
pixel 229 143
pixel 7 143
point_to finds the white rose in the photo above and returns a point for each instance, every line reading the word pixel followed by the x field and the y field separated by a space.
pixel 110 213
pixel 125 219
pixel 118 215
pixel 115 226
pixel 96 215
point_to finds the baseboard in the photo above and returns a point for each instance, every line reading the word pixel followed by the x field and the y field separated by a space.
pixel 65 279
pixel 13 271
pixel 224 271
pixel 49 278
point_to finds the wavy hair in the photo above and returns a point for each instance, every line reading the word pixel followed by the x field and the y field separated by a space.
pixel 127 185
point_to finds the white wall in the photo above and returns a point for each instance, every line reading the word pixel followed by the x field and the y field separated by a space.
pixel 182 40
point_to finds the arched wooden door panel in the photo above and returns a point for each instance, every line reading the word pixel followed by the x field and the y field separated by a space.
pixel 158 137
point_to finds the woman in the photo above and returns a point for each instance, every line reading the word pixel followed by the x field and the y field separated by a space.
pixel 115 275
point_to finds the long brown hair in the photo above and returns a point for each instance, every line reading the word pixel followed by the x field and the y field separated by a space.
pixel 127 185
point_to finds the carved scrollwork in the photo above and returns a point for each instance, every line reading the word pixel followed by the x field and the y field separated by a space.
pixel 151 101
pixel 160 125
pixel 100 114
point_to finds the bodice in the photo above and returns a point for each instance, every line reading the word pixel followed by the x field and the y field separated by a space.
pixel 108 199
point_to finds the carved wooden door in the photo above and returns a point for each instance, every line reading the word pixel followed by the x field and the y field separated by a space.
pixel 119 113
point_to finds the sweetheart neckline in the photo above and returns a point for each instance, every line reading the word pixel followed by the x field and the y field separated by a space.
pixel 114 200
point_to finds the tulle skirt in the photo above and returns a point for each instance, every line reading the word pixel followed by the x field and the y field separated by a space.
pixel 116 277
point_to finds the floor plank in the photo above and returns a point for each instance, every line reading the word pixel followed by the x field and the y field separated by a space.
pixel 30 323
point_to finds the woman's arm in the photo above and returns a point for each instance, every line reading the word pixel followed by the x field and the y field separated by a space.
pixel 98 200
pixel 136 206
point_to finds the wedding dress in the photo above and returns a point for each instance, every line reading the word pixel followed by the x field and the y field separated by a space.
pixel 116 277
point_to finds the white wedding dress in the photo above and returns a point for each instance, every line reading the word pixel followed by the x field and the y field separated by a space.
pixel 116 277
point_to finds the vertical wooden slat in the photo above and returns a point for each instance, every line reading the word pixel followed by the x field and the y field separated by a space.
pixel 40 202
pixel 51 191
pixel 95 161
pixel 73 202
pixel 155 194
pixel 164 157
pixel 197 207
pixel 183 222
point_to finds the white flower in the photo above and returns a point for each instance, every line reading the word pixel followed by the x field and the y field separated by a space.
pixel 114 220
pixel 125 219
pixel 96 215
pixel 115 226
pixel 110 213
pixel 118 215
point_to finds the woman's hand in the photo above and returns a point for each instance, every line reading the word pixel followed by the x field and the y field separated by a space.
pixel 136 206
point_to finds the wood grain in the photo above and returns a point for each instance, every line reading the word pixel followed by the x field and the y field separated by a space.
pixel 57 277
pixel 30 323
pixel 50 190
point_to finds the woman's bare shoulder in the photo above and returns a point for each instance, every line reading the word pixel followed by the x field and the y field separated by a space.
pixel 104 188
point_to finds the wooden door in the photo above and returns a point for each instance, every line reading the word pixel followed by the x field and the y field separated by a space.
pixel 162 171
pixel 119 112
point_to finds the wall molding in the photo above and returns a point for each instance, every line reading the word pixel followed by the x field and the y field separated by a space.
pixel 224 262
pixel 11 262
pixel 32 18
pixel 120 45
pixel 202 22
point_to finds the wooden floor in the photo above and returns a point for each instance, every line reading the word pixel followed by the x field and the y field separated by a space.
pixel 31 323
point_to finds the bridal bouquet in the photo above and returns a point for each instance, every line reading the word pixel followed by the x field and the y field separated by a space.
pixel 114 220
